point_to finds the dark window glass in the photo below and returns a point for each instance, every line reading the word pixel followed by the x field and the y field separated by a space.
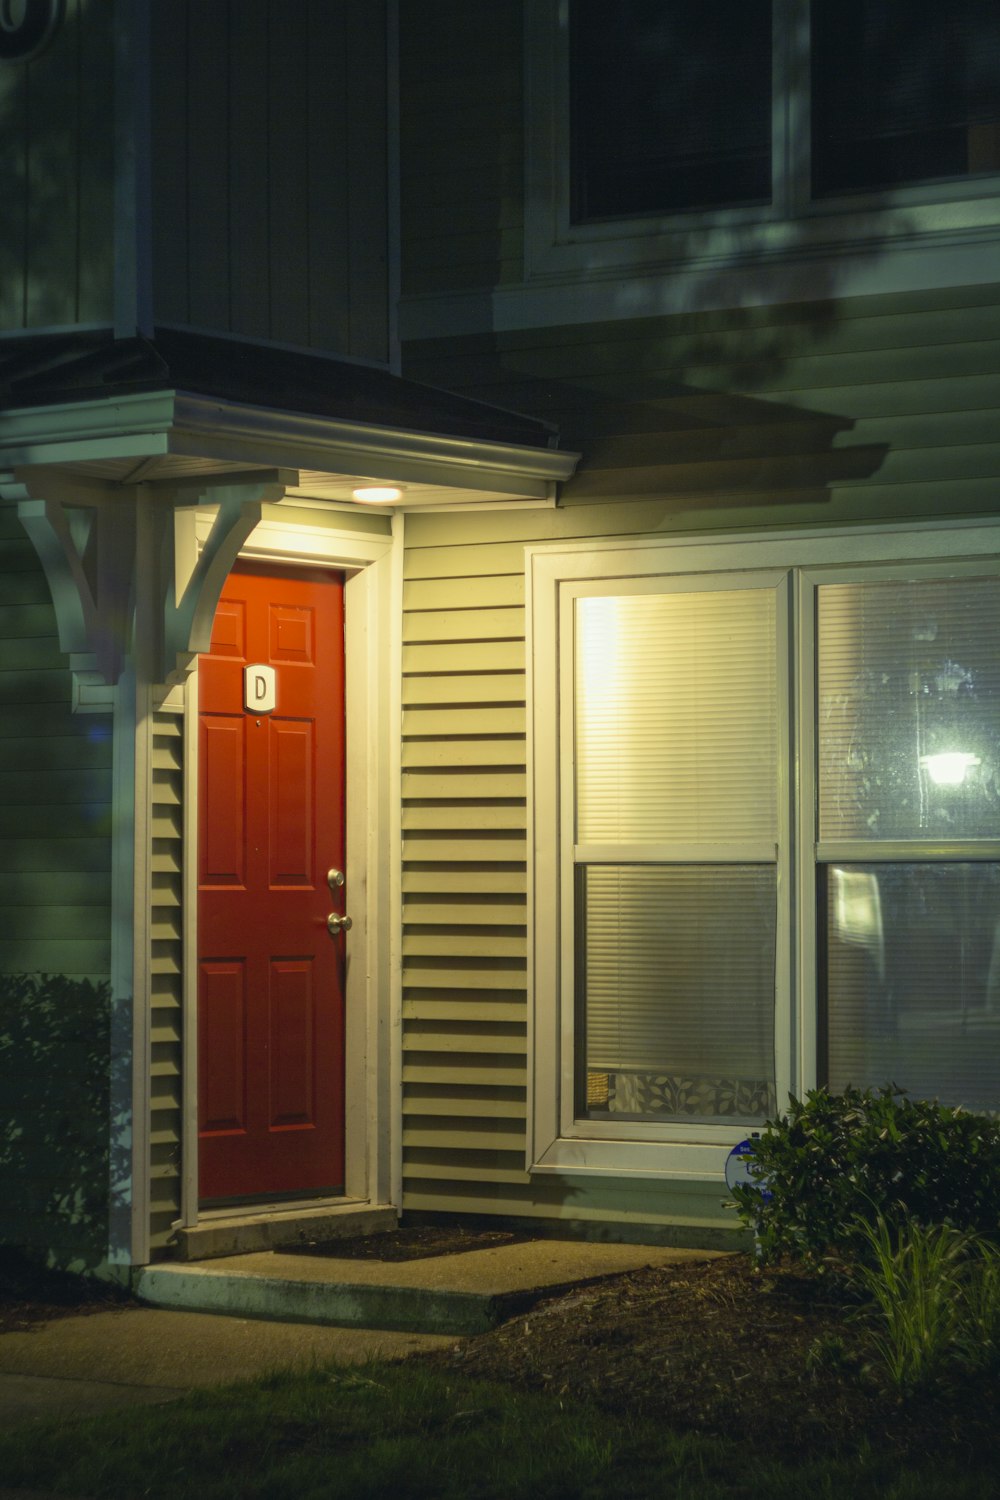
pixel 903 92
pixel 670 105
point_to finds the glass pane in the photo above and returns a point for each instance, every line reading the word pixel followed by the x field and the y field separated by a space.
pixel 670 105
pixel 912 973
pixel 676 726
pixel 675 971
pixel 909 709
pixel 903 93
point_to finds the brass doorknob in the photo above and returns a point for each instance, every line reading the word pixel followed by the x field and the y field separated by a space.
pixel 336 923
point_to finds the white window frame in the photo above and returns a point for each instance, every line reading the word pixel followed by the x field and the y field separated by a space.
pixel 557 574
pixel 791 227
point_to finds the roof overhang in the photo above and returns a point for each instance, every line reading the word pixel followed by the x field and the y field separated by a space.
pixel 175 435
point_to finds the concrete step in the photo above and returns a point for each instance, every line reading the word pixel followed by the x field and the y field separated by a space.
pixel 447 1294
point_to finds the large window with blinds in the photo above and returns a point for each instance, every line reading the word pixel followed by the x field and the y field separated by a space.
pixel 766 835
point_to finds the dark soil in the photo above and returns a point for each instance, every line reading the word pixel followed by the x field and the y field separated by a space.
pixel 30 1294
pixel 773 1359
pixel 418 1243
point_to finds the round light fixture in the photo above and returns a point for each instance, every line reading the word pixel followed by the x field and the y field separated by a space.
pixel 949 768
pixel 377 494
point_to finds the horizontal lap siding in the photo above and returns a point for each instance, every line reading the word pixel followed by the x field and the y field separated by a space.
pixel 55 787
pixel 862 410
pixel 464 877
pixel 55 893
pixel 166 980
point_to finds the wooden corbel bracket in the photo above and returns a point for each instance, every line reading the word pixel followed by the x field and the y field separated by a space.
pixel 195 579
pixel 85 540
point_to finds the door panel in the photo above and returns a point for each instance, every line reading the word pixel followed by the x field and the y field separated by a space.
pixel 271 986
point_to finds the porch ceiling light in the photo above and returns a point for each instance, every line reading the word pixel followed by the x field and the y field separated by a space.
pixel 377 494
pixel 948 768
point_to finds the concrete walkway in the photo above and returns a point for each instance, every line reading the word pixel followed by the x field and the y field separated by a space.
pixel 282 1311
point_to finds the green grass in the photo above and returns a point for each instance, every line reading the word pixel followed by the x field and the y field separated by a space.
pixel 406 1432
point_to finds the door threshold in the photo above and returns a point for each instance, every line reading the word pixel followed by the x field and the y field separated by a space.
pixel 268 1226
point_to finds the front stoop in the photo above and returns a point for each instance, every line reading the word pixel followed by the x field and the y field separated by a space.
pixel 269 1228
pixel 458 1294
pixel 341 1304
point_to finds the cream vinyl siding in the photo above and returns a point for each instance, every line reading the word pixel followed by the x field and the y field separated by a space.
pixel 56 250
pixel 464 880
pixel 863 409
pixel 166 936
pixel 849 410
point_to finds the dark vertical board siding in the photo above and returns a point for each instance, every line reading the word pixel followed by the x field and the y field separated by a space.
pixel 329 128
pixel 249 180
pixel 170 163
pixel 270 209
pixel 366 164
pixel 13 194
pixel 95 152
pixel 53 100
pixel 462 144
pixel 208 164
pixel 289 173
pixel 56 178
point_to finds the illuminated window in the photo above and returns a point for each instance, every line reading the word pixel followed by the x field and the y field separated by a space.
pixel 767 837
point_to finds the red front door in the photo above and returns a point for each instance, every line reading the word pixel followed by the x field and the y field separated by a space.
pixel 271 978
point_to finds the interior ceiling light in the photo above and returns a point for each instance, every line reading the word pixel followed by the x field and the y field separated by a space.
pixel 377 494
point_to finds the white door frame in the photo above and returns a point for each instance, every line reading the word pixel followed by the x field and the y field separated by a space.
pixel 372 567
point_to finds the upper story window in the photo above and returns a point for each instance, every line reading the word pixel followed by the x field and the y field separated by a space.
pixel 903 93
pixel 667 131
pixel 670 106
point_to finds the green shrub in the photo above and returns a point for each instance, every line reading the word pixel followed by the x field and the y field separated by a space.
pixel 837 1161
pixel 54 1114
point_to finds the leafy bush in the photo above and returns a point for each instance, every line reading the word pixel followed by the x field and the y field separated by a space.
pixel 54 1125
pixel 839 1161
